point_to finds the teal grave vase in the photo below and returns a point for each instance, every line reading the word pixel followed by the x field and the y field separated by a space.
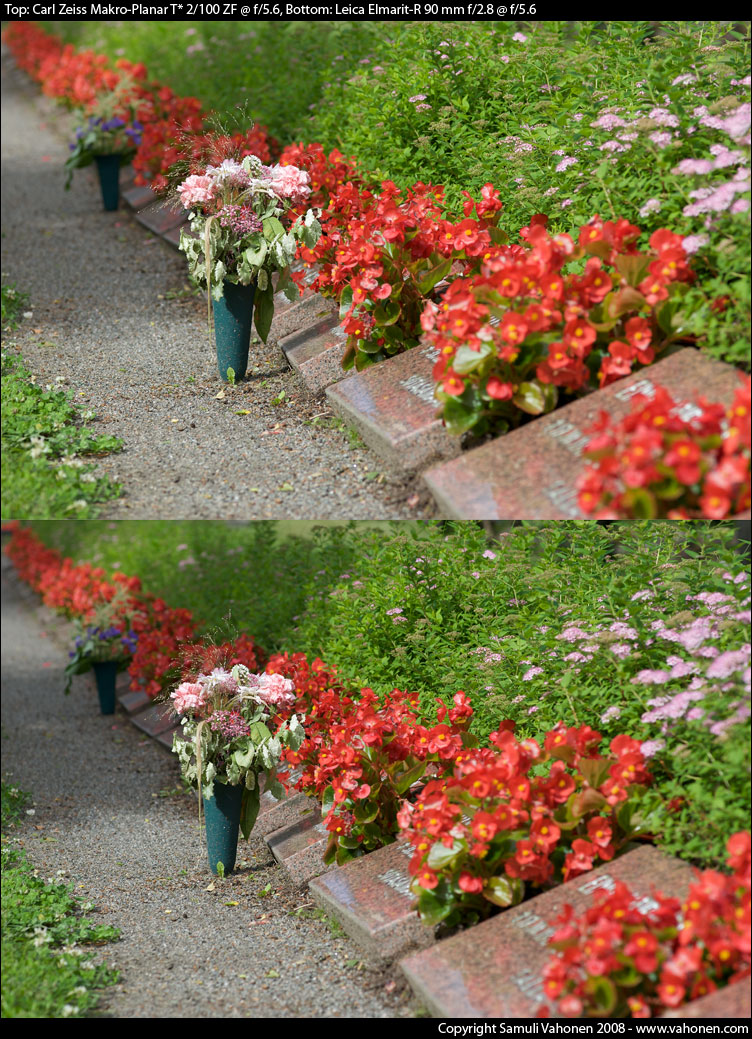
pixel 233 320
pixel 105 675
pixel 222 818
pixel 108 168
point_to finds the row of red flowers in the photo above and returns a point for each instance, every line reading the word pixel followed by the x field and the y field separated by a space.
pixel 484 823
pixel 668 460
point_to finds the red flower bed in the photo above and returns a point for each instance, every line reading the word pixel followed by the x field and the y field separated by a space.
pixel 621 958
pixel 657 463
pixel 498 821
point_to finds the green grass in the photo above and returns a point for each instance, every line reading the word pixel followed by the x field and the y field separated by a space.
pixel 48 449
pixel 46 971
pixel 13 303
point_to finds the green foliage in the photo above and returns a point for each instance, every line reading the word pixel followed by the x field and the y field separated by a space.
pixel 46 447
pixel 13 303
pixel 277 70
pixel 45 972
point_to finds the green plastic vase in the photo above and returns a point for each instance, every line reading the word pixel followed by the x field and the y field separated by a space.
pixel 233 320
pixel 105 675
pixel 108 168
pixel 222 817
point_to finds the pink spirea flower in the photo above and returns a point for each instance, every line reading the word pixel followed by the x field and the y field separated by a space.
pixel 196 189
pixel 531 673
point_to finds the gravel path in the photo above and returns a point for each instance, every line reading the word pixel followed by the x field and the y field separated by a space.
pixel 108 814
pixel 111 316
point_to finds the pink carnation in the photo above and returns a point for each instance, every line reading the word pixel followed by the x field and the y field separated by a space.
pixel 189 696
pixel 290 182
pixel 276 691
pixel 196 188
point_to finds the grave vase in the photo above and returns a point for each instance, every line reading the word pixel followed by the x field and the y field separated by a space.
pixel 105 675
pixel 233 320
pixel 108 168
pixel 222 818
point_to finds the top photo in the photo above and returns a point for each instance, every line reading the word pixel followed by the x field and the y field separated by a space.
pixel 375 270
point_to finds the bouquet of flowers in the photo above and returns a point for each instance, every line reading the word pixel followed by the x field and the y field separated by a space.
pixel 110 128
pixel 239 230
pixel 233 728
pixel 107 637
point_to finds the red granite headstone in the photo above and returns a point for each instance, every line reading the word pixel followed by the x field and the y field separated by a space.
pixel 165 738
pixel 393 408
pixel 138 197
pixel 494 969
pixel 531 472
pixel 300 848
pixel 276 813
pixel 172 237
pixel 160 217
pixel 290 317
pixel 371 899
pixel 155 719
pixel 133 702
pixel 315 353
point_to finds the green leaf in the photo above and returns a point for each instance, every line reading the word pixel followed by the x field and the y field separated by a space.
pixel 249 810
pixel 412 775
pixel 272 228
pixel 327 802
pixel 504 891
pixel 264 311
pixel 458 418
pixel 366 811
pixel 603 994
pixel 345 301
pixel 433 277
pixel 535 397
pixel 434 906
pixel 467 359
pixel 440 856
pixel 387 314
pixel 254 257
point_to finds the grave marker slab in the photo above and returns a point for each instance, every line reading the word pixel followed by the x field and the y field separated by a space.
pixel 138 197
pixel 160 217
pixel 371 899
pixel 292 316
pixel 531 472
pixel 494 968
pixel 315 353
pixel 165 738
pixel 133 702
pixel 276 814
pixel 393 408
pixel 155 719
pixel 300 848
pixel 172 237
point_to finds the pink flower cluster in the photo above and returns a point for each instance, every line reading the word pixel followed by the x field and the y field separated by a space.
pixel 290 182
pixel 196 189
pixel 275 691
pixel 189 696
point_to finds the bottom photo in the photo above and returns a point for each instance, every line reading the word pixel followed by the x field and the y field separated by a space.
pixel 409 770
